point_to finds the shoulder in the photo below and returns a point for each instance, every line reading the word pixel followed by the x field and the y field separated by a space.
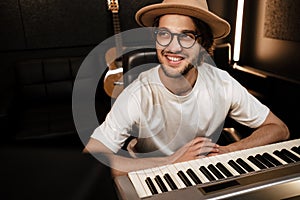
pixel 213 75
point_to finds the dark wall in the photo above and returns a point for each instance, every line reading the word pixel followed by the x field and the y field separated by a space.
pixel 271 36
pixel 52 28
pixel 56 28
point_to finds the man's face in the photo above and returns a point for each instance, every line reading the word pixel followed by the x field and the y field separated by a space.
pixel 176 60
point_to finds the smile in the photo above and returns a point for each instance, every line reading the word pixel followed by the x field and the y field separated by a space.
pixel 174 58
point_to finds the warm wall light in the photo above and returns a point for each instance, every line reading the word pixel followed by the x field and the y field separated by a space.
pixel 238 30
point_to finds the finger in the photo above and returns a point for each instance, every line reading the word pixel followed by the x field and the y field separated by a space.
pixel 200 140
pixel 206 150
pixel 198 146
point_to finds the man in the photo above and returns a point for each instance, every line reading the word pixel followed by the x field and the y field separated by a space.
pixel 176 108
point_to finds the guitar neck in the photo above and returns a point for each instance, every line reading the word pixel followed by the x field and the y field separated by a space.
pixel 117 30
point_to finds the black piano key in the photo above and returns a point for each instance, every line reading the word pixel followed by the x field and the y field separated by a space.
pixel 296 150
pixel 223 169
pixel 264 161
pixel 244 165
pixel 151 186
pixel 283 157
pixel 215 171
pixel 160 184
pixel 208 175
pixel 290 155
pixel 170 182
pixel 257 162
pixel 193 176
pixel 185 180
pixel 271 159
pixel 236 167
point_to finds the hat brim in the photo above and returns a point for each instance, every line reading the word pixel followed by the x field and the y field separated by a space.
pixel 146 16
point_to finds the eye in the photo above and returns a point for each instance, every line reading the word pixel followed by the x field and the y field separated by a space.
pixel 163 34
pixel 187 36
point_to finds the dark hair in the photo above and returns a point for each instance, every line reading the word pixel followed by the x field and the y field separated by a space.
pixel 206 40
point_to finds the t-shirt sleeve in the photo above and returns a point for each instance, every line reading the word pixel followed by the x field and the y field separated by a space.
pixel 119 122
pixel 245 108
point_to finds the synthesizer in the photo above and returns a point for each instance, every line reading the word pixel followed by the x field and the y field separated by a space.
pixel 272 166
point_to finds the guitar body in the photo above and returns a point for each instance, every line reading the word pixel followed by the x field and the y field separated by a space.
pixel 113 81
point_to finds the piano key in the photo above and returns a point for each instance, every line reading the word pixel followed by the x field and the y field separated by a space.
pixel 185 180
pixel 283 157
pixel 151 186
pixel 167 173
pixel 242 163
pixel 296 150
pixel 149 173
pixel 224 158
pixel 139 184
pixel 244 154
pixel 236 167
pixel 160 183
pixel 193 176
pixel 271 159
pixel 290 155
pixel 224 170
pixel 215 171
pixel 174 171
pixel 264 161
pixel 184 166
pixel 270 150
pixel 257 162
pixel 170 182
pixel 208 175
pixel 158 172
pixel 195 166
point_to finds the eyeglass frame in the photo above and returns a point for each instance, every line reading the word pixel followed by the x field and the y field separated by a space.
pixel 178 36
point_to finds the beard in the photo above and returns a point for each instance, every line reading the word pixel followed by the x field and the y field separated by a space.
pixel 174 73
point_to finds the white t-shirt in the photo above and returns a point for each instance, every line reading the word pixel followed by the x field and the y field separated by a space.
pixel 164 122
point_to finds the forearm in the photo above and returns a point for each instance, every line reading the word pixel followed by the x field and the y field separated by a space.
pixel 266 134
pixel 121 165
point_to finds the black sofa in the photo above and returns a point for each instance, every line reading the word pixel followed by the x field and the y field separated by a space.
pixel 39 107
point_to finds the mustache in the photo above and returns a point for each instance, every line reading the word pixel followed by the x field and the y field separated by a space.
pixel 164 51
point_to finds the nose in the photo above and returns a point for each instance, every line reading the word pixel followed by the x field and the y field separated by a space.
pixel 174 46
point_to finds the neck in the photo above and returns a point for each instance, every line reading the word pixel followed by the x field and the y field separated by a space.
pixel 180 85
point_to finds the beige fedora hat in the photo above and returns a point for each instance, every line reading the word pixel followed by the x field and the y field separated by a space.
pixel 194 8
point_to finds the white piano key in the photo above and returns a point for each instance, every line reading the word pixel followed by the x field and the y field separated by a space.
pixel 244 157
pixel 138 184
pixel 205 162
pixel 222 160
pixel 288 146
pixel 270 150
pixel 195 166
pixel 225 159
pixel 166 170
pixel 183 167
pixel 157 171
pixel 151 175
pixel 174 171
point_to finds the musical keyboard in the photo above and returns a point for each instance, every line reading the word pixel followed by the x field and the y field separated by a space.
pixel 216 177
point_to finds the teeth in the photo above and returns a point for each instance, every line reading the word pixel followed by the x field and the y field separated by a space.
pixel 174 59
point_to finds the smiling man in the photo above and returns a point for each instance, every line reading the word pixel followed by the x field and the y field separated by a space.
pixel 176 108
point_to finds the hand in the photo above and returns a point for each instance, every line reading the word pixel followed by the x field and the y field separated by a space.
pixel 196 148
pixel 222 149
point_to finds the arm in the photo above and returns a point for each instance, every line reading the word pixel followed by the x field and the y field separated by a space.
pixel 272 130
pixel 121 165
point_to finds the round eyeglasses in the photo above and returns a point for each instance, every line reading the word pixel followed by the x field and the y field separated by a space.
pixel 186 40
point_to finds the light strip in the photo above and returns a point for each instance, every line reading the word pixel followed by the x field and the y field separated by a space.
pixel 238 30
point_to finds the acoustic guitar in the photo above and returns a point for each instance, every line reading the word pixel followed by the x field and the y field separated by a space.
pixel 113 80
